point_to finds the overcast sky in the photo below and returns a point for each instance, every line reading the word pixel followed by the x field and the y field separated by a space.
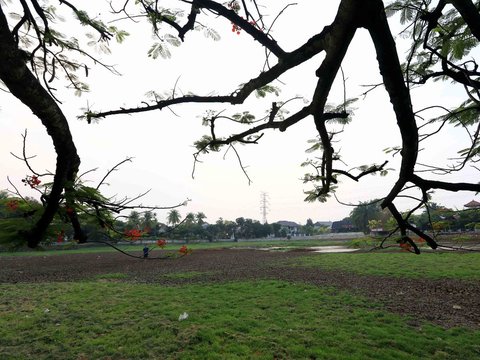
pixel 161 142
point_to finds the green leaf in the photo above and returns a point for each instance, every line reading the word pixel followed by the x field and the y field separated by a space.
pixel 120 36
pixel 211 33
pixel 154 95
pixel 394 149
pixel 244 118
pixel 406 14
pixel 205 144
pixel 267 89
pixel 157 50
pixel 317 145
pixel 172 40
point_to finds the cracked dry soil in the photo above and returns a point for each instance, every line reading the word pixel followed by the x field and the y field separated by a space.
pixel 447 302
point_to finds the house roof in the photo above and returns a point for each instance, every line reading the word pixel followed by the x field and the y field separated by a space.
pixel 323 223
pixel 342 224
pixel 472 204
pixel 288 223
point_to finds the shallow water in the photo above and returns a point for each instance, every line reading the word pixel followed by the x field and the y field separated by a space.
pixel 332 249
pixel 317 249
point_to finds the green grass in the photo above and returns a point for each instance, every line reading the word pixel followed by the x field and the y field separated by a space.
pixel 187 274
pixel 430 265
pixel 241 320
pixel 77 250
pixel 112 276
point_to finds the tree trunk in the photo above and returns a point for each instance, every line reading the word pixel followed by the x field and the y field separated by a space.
pixel 27 88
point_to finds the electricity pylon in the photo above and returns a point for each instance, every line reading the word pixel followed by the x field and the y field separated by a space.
pixel 264 206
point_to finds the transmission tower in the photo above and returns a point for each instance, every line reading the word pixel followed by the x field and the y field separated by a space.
pixel 264 206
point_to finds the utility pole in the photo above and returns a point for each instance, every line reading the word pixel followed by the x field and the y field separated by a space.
pixel 264 206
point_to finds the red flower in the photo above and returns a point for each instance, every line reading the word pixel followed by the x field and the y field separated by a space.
pixel 12 205
pixel 133 234
pixel 161 243
pixel 184 250
pixel 61 236
pixel 236 28
pixel 32 181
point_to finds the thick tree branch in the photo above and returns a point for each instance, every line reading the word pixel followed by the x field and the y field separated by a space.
pixel 281 125
pixel 470 14
pixel 391 71
pixel 305 52
pixel 338 38
pixel 426 185
pixel 256 33
pixel 104 34
pixel 432 19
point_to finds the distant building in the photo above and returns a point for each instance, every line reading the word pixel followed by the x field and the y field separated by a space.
pixel 379 232
pixel 323 224
pixel 290 227
pixel 344 225
pixel 472 205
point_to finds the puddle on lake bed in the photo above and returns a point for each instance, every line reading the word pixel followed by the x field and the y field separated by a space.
pixel 332 249
pixel 317 249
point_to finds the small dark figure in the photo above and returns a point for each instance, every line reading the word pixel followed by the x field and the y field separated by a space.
pixel 145 252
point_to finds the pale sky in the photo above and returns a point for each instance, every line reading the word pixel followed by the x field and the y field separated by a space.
pixel 161 142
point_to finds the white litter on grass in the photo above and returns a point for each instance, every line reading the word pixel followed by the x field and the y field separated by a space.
pixel 183 316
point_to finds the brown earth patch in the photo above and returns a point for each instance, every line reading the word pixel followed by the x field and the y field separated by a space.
pixel 446 302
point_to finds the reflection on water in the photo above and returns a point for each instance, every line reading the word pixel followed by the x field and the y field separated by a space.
pixel 317 249
pixel 332 249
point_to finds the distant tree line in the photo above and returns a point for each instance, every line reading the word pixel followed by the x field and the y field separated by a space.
pixel 194 227
pixel 141 224
pixel 366 217
pixel 369 216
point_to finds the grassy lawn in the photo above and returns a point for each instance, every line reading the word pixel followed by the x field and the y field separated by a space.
pixel 111 317
pixel 428 264
pixel 239 320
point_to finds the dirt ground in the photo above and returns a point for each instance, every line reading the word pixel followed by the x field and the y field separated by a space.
pixel 445 302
